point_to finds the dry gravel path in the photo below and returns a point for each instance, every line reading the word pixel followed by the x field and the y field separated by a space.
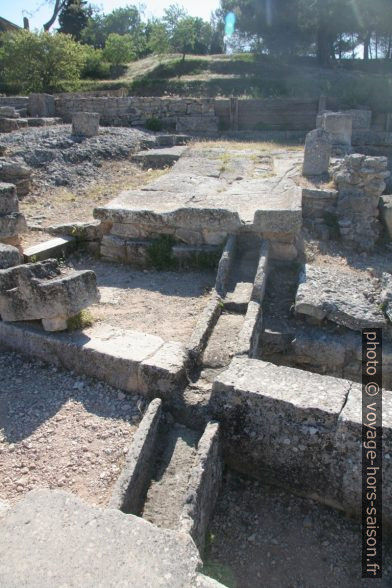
pixel 58 430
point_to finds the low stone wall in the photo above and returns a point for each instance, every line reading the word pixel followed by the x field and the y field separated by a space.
pixel 132 111
pixel 18 102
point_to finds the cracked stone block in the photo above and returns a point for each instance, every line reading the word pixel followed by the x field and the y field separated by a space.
pixel 17 173
pixel 9 256
pixel 317 153
pixel 85 124
pixel 345 298
pixel 41 291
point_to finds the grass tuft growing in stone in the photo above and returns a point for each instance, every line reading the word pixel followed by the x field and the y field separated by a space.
pixel 80 321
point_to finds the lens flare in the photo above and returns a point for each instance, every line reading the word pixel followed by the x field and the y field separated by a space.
pixel 230 24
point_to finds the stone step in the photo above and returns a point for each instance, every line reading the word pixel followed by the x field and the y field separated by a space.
pixel 44 121
pixel 238 299
pixel 172 140
pixel 222 344
pixel 54 248
pixel 158 158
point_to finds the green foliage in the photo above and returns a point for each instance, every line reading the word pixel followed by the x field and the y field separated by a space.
pixel 119 49
pixel 40 62
pixel 158 40
pixel 82 320
pixel 159 253
pixel 73 18
pixel 95 67
pixel 185 35
pixel 154 124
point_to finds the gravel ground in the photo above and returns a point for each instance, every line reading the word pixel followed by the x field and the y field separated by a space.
pixel 264 536
pixel 60 159
pixel 161 303
pixel 58 430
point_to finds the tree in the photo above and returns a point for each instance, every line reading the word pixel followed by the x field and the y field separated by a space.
pixel 40 62
pixel 74 18
pixel 172 16
pixel 157 37
pixel 184 36
pixel 119 49
pixel 57 7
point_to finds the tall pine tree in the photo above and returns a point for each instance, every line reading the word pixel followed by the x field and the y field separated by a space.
pixel 74 17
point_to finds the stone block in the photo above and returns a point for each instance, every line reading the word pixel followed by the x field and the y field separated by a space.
pixel 11 225
pixel 345 298
pixel 8 199
pixel 339 126
pixel 52 538
pixel 54 248
pixel 8 112
pixel 317 153
pixel 40 291
pixel 85 124
pixel 82 231
pixel 283 419
pixel 386 213
pixel 346 473
pixel 41 105
pixel 7 125
pixel 9 256
pixel 164 371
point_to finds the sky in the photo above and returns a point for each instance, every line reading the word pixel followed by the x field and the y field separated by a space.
pixel 38 11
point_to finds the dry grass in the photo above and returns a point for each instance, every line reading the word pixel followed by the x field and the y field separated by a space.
pixel 265 146
pixel 65 205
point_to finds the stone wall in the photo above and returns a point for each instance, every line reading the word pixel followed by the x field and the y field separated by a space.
pixel 360 181
pixel 131 111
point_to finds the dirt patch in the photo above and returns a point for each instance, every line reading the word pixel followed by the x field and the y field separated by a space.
pixel 65 205
pixel 160 303
pixel 61 431
pixel 343 257
pixel 264 536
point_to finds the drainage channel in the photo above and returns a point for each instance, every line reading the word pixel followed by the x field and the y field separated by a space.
pixel 172 474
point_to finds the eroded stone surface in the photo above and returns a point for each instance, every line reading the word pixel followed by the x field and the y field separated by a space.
pixel 346 298
pixel 9 256
pixel 318 147
pixel 41 291
pixel 213 190
pixel 386 213
pixel 52 538
pixel 85 124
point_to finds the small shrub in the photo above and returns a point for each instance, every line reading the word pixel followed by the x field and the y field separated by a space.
pixel 95 67
pixel 80 321
pixel 154 124
pixel 159 253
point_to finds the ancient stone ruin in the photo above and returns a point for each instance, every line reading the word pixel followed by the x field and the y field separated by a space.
pixel 217 372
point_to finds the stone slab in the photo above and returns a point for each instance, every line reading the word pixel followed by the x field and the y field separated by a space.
pixel 52 538
pixel 158 158
pixel 212 190
pixel 54 248
pixel 343 297
pixel 109 354
pixel 131 487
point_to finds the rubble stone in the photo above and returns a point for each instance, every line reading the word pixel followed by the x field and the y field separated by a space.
pixel 360 181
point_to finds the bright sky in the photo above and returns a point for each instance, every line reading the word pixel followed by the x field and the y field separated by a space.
pixel 39 11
